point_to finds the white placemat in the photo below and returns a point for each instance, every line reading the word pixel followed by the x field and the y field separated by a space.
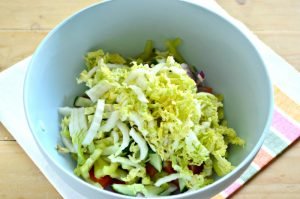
pixel 12 107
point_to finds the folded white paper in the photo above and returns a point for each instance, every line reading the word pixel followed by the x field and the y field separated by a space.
pixel 14 119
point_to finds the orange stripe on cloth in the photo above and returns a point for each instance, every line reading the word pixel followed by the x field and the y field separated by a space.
pixel 262 158
pixel 219 196
pixel 287 104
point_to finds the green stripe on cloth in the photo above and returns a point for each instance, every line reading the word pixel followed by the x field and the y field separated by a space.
pixel 251 171
pixel 274 143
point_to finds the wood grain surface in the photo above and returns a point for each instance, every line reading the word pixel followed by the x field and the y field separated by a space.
pixel 23 24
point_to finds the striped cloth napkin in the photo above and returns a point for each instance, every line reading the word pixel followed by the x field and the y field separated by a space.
pixel 284 131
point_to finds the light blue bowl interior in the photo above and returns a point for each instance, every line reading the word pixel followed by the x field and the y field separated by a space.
pixel 231 64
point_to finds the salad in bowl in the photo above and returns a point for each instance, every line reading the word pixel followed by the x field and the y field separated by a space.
pixel 146 125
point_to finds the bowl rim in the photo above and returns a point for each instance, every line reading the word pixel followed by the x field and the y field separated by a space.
pixel 240 166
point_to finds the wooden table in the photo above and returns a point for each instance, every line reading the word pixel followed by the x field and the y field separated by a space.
pixel 23 24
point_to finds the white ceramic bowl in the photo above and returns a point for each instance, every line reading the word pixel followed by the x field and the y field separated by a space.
pixel 232 66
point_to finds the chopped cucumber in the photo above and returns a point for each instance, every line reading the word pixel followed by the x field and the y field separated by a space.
pixel 129 190
pixel 154 191
pixel 155 160
pixel 82 102
pixel 134 189
pixel 182 184
pixel 170 190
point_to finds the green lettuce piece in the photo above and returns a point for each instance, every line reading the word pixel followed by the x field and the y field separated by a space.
pixel 85 168
pixel 230 136
pixel 135 174
pixel 172 49
pixel 103 167
pixel 92 58
pixel 148 51
pixel 221 165
pixel 114 58
pixel 64 125
pixel 79 149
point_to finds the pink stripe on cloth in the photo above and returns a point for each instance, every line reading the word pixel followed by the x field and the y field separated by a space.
pixel 232 188
pixel 285 127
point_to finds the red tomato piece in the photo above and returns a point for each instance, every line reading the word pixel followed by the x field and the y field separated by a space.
pixel 175 182
pixel 205 89
pixel 116 181
pixel 105 181
pixel 92 175
pixel 196 169
pixel 151 171
pixel 167 167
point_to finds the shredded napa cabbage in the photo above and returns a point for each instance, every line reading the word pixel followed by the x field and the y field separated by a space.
pixel 148 104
